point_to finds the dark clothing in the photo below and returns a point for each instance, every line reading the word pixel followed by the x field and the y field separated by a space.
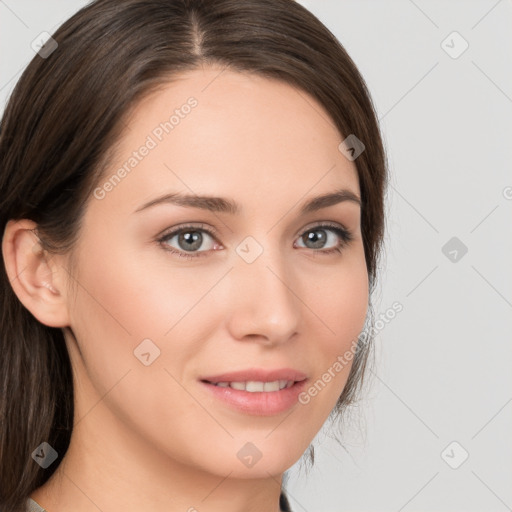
pixel 284 505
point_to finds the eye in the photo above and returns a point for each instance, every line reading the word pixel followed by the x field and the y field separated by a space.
pixel 317 236
pixel 190 238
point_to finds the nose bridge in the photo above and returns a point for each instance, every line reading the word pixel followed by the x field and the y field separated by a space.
pixel 264 302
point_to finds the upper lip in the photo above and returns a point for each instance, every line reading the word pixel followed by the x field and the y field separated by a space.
pixel 258 374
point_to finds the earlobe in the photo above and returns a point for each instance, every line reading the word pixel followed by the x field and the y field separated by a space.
pixel 34 274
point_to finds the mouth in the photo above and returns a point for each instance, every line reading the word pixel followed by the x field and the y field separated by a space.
pixel 257 398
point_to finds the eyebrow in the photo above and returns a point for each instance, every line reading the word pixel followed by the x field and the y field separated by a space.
pixel 224 205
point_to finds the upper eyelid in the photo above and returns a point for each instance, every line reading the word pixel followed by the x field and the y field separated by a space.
pixel 173 231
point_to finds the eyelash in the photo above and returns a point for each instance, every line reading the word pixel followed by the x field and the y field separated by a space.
pixel 345 236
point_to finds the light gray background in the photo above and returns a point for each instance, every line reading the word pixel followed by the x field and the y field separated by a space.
pixel 443 364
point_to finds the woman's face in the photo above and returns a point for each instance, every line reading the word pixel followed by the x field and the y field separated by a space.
pixel 262 288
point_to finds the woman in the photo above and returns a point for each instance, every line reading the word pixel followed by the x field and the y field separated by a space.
pixel 192 214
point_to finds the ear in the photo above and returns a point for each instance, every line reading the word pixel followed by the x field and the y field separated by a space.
pixel 36 277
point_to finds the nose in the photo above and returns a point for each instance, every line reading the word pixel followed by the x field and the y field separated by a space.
pixel 262 303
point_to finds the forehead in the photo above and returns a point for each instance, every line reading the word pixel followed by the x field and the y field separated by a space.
pixel 229 133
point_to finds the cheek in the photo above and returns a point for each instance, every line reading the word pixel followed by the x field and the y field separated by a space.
pixel 350 305
pixel 114 311
pixel 340 300
pixel 122 295
pixel 123 301
pixel 341 305
pixel 120 303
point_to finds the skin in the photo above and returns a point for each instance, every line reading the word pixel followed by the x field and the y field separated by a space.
pixel 149 437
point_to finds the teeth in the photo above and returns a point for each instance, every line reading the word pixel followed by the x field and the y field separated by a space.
pixel 256 386
pixel 238 385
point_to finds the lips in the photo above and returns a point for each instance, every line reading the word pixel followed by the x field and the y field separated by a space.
pixel 258 375
pixel 256 401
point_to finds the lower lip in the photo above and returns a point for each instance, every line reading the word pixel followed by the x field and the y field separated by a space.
pixel 259 403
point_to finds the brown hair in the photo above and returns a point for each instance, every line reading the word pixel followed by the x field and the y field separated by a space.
pixel 59 129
